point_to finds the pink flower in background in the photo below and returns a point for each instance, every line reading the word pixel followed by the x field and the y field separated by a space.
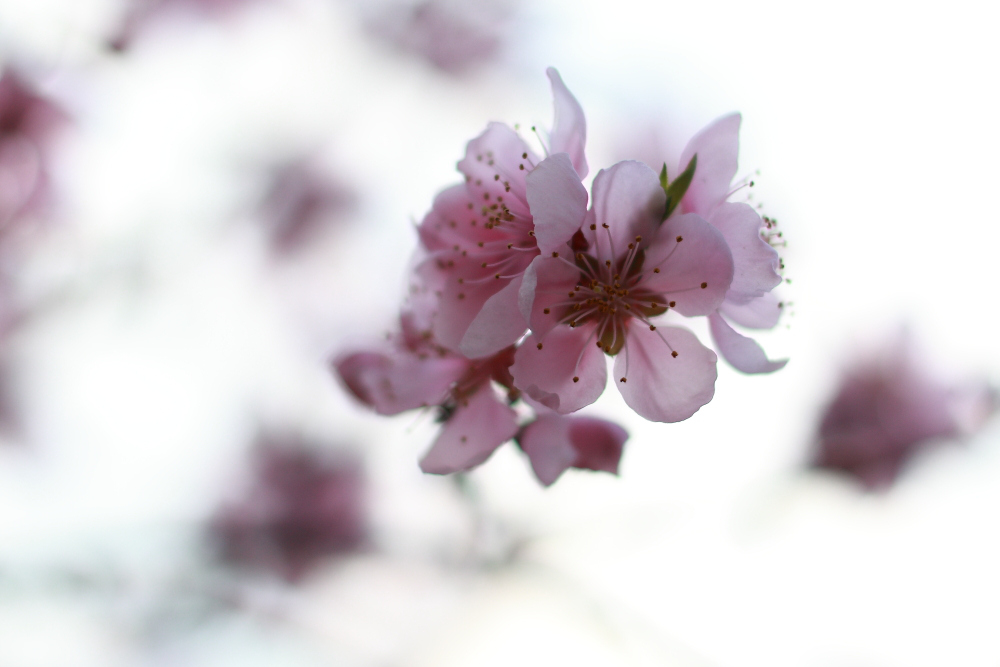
pixel 140 14
pixel 750 301
pixel 887 410
pixel 482 235
pixel 599 296
pixel 299 202
pixel 27 124
pixel 305 503
pixel 454 36
pixel 555 443
pixel 416 372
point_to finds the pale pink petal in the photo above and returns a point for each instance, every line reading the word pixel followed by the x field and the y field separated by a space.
pixel 547 283
pixel 717 147
pixel 471 435
pixel 755 262
pixel 554 443
pixel 569 130
pixel 658 385
pixel 688 262
pixel 558 202
pixel 498 324
pixel 762 313
pixel 392 383
pixel 448 223
pixel 742 353
pixel 627 197
pixel 492 164
pixel 547 374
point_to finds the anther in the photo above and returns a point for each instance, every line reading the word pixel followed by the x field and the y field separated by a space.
pixel 680 238
pixel 652 327
pixel 623 379
pixel 539 346
pixel 656 270
pixel 524 156
pixel 607 263
pixel 674 354
pixel 547 311
pixel 605 225
pixel 521 167
pixel 555 254
pixel 497 276
pixel 576 378
pixel 496 177
pixel 480 244
pixel 638 239
pixel 704 285
pixel 593 227
pixel 461 295
pixel 672 304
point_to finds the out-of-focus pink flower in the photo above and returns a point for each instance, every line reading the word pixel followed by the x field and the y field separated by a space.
pixel 139 14
pixel 27 124
pixel 454 36
pixel 599 294
pixel 750 301
pixel 887 409
pixel 554 443
pixel 299 201
pixel 305 503
pixel 414 371
pixel 481 235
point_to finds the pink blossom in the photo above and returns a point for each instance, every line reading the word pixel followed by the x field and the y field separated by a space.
pixel 416 372
pixel 483 234
pixel 27 123
pixel 555 443
pixel 304 504
pixel 599 294
pixel 299 200
pixel 140 14
pixel 749 301
pixel 453 36
pixel 888 409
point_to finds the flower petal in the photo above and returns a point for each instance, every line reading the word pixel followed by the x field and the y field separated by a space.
pixel 695 266
pixel 569 130
pixel 658 385
pixel 717 147
pixel 762 313
pixel 492 164
pixel 471 435
pixel 627 197
pixel 547 374
pixel 755 262
pixel 558 202
pixel 547 282
pixel 392 383
pixel 554 443
pixel 498 324
pixel 742 353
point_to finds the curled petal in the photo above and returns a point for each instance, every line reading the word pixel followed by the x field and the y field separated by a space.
pixel 554 443
pixel 717 148
pixel 546 374
pixel 498 324
pixel 761 313
pixel 658 385
pixel 742 353
pixel 755 262
pixel 569 130
pixel 558 202
pixel 629 200
pixel 689 262
pixel 392 383
pixel 471 435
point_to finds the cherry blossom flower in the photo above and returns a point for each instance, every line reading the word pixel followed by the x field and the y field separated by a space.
pixel 750 302
pixel 416 372
pixel 27 124
pixel 298 201
pixel 482 235
pixel 453 36
pixel 599 294
pixel 140 14
pixel 305 503
pixel 887 410
pixel 555 443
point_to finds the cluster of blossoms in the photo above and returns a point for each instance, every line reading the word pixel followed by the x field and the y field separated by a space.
pixel 523 286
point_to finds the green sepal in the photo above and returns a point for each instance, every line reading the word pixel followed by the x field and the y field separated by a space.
pixel 676 190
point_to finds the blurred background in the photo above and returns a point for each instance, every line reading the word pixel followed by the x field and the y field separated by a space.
pixel 202 200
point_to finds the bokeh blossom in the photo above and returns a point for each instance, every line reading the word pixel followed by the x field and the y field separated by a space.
pixel 305 503
pixel 887 409
pixel 139 15
pixel 28 122
pixel 481 235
